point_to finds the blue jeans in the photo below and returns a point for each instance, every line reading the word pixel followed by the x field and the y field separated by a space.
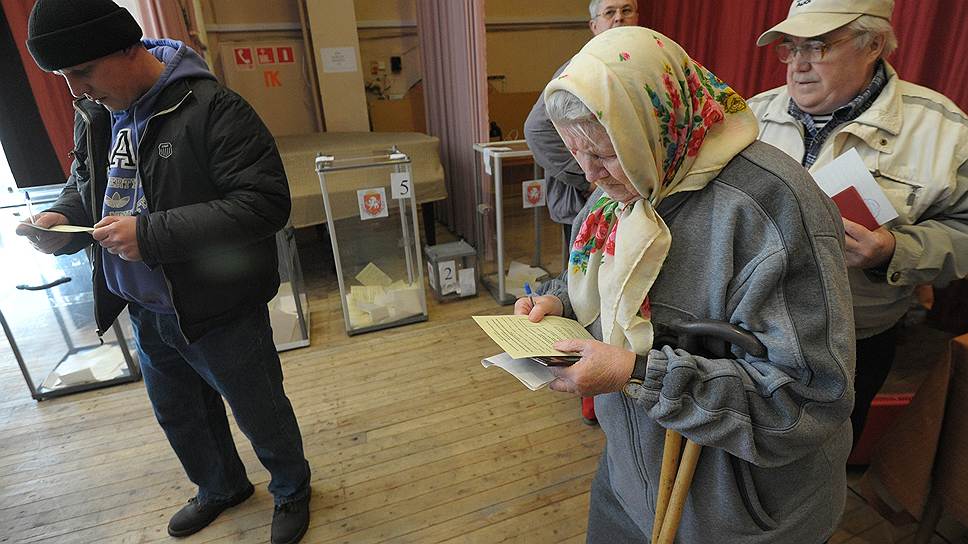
pixel 186 383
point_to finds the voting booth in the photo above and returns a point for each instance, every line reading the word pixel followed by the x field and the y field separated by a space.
pixel 511 197
pixel 376 245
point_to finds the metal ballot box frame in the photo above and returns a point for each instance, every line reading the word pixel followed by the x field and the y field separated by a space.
pixel 47 316
pixel 289 309
pixel 496 269
pixel 376 252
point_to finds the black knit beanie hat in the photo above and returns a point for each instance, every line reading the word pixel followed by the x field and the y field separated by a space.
pixel 64 33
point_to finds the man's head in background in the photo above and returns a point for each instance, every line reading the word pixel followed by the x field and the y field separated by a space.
pixel 608 14
pixel 830 48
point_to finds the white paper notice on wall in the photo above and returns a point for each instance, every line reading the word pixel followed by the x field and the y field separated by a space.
pixel 373 203
pixel 400 186
pixel 448 277
pixel 533 193
pixel 338 59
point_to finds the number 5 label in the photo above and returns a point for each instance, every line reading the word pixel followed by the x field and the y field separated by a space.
pixel 400 185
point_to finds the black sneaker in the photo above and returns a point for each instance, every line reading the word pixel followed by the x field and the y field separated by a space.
pixel 195 516
pixel 290 521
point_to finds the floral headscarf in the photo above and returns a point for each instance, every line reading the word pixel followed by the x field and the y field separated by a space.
pixel 674 125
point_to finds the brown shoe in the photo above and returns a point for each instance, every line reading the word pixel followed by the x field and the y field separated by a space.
pixel 195 516
pixel 290 521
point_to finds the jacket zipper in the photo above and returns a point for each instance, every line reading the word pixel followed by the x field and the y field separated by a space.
pixel 144 133
pixel 738 465
pixel 637 454
pixel 913 187
pixel 94 213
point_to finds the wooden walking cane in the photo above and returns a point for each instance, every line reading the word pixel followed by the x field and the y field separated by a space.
pixel 670 466
pixel 687 468
pixel 676 475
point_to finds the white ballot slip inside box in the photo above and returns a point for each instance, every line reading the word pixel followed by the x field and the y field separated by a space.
pixel 849 170
pixel 533 375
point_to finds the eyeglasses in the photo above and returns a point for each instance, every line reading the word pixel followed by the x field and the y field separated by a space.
pixel 809 51
pixel 626 11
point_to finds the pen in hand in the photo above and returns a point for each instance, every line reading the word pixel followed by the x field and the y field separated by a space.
pixel 527 291
pixel 30 210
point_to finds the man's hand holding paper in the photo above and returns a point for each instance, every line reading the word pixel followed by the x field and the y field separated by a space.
pixel 864 208
pixel 850 184
pixel 37 231
pixel 867 248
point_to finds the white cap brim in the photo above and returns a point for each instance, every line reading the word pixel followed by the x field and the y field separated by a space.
pixel 807 25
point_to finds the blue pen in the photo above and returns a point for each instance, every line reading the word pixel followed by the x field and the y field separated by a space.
pixel 527 291
pixel 30 210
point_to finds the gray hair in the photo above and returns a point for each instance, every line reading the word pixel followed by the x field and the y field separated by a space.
pixel 870 28
pixel 568 112
pixel 593 7
pixel 565 108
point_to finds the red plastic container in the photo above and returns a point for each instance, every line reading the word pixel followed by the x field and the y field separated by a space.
pixel 884 410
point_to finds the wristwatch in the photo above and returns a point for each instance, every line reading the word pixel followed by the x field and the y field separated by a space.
pixel 633 387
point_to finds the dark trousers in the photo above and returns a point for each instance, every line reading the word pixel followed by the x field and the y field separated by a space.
pixel 875 357
pixel 186 384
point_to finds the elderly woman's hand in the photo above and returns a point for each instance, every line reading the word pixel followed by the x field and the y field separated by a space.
pixel 543 305
pixel 603 368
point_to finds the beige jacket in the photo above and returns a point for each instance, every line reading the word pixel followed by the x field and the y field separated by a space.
pixel 915 143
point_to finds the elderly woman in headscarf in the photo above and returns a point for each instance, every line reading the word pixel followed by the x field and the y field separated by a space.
pixel 694 219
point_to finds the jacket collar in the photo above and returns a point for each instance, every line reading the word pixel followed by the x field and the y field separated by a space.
pixel 884 114
pixel 170 96
pixel 878 126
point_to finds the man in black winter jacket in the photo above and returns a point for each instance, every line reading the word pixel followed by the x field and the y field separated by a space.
pixel 185 189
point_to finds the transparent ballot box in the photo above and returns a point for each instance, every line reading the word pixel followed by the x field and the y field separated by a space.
pixel 513 226
pixel 289 309
pixel 371 215
pixel 452 270
pixel 47 316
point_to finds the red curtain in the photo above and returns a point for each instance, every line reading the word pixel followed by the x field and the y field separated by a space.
pixel 171 19
pixel 722 36
pixel 51 93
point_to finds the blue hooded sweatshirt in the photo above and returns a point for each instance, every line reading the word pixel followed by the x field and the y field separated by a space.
pixel 134 281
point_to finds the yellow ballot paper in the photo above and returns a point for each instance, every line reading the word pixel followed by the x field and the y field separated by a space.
pixel 61 228
pixel 371 275
pixel 521 338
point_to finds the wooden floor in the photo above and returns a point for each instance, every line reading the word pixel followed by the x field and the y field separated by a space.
pixel 410 439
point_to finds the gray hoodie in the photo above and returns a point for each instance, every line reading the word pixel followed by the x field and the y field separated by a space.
pixel 760 247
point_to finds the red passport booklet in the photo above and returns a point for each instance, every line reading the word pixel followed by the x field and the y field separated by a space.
pixel 852 207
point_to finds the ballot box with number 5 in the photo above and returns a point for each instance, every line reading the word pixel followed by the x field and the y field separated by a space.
pixel 376 245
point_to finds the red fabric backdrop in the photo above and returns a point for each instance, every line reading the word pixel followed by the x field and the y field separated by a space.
pixel 932 50
pixel 50 91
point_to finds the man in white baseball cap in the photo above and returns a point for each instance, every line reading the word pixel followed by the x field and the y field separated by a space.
pixel 815 17
pixel 842 94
